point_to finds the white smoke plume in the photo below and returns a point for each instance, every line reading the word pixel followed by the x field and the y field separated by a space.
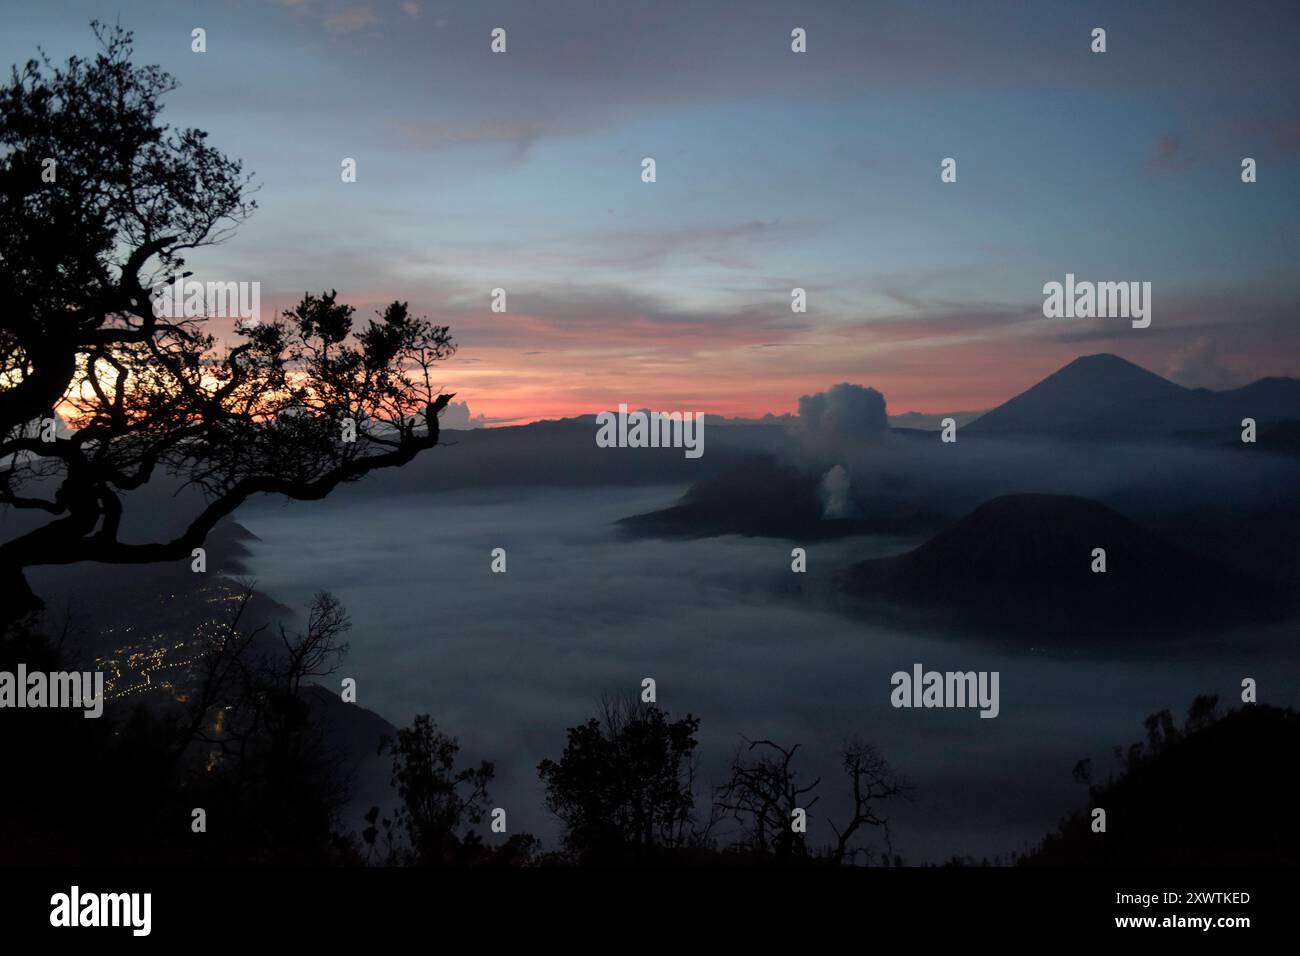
pixel 834 493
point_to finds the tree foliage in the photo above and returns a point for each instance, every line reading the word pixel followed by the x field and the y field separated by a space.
pixel 624 784
pixel 294 405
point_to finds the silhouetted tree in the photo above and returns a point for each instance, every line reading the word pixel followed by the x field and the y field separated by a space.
pixel 439 801
pixel 623 787
pixel 762 795
pixel 871 781
pixel 1219 790
pixel 258 749
pixel 81 253
pixel 764 791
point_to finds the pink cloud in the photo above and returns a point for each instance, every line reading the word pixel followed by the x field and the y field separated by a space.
pixel 351 20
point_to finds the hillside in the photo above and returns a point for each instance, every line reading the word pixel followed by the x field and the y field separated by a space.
pixel 1217 791
pixel 1025 561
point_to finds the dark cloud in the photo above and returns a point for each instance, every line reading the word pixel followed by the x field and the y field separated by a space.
pixel 612 317
pixel 559 80
pixel 843 413
pixel 516 135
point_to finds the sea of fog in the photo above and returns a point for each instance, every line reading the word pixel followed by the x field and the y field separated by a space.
pixel 506 662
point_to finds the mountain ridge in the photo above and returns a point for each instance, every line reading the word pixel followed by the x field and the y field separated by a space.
pixel 1026 562
pixel 1104 396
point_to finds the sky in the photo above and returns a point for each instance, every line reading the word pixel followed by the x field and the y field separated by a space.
pixel 774 170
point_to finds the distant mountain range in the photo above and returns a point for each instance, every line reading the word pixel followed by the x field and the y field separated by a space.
pixel 1106 397
pixel 932 421
pixel 1025 561
pixel 1094 397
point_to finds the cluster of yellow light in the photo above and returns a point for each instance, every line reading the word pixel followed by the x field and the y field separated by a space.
pixel 148 660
